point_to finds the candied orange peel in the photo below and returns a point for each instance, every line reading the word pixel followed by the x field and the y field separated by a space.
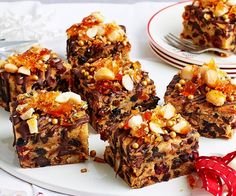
pixel 45 102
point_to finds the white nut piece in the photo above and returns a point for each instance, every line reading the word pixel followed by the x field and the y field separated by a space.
pixel 65 97
pixel 104 74
pixel 101 30
pixel 115 35
pixel 187 72
pixel 168 111
pixel 181 127
pixel 231 2
pixel 98 16
pixel 24 70
pixel 11 68
pixel 21 107
pixel 211 78
pixel 92 32
pixel 135 121
pixel 33 125
pixel 221 9
pixel 46 57
pixel 155 128
pixel 28 114
pixel 127 82
pixel 216 97
pixel 196 3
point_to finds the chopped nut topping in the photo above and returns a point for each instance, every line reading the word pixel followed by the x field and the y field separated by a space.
pixel 66 113
pixel 33 125
pixel 212 78
pixel 168 111
pixel 20 108
pixel 231 2
pixel 187 72
pixel 32 59
pixel 155 128
pixel 24 70
pixel 92 32
pixel 65 97
pixel 127 82
pixel 104 74
pixel 135 121
pixel 28 114
pixel 221 9
pixel 216 97
pixel 11 68
pixel 98 16
pixel 182 127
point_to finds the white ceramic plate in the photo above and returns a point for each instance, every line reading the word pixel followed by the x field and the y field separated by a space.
pixel 165 58
pixel 169 20
pixel 180 64
pixel 100 180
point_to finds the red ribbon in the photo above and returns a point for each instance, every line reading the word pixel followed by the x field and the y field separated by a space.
pixel 213 171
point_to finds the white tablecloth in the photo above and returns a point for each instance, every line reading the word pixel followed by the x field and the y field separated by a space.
pixel 58 18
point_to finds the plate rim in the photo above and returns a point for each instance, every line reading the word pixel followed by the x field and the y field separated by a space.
pixel 192 61
pixel 167 58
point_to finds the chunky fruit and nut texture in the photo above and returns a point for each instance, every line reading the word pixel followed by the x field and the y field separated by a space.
pixel 211 23
pixel 113 88
pixel 153 146
pixel 50 128
pixel 93 39
pixel 206 97
pixel 37 68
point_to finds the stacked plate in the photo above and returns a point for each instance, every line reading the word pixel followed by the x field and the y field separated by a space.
pixel 169 20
